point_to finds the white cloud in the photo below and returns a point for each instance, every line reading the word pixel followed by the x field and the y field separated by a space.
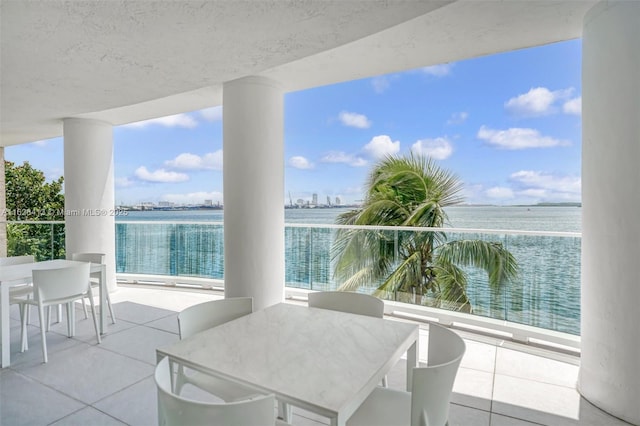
pixel 458 117
pixel 193 197
pixel 40 144
pixel 160 175
pixel 212 114
pixel 344 158
pixel 438 70
pixel 299 162
pixel 123 182
pixel 178 120
pixel 439 148
pixel 380 83
pixel 536 102
pixel 518 138
pixel 499 192
pixel 188 161
pixel 381 146
pixel 353 119
pixel 573 106
pixel 550 183
pixel 537 193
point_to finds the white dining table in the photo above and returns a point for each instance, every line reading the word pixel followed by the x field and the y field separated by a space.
pixel 323 361
pixel 20 274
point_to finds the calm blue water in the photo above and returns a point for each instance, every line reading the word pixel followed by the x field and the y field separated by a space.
pixel 559 219
pixel 546 293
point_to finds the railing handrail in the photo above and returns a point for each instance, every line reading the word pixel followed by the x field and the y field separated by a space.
pixel 33 222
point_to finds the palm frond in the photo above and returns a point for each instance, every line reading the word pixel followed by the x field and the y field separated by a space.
pixel 452 287
pixel 497 261
pixel 406 276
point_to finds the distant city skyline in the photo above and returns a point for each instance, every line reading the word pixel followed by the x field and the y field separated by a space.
pixel 508 125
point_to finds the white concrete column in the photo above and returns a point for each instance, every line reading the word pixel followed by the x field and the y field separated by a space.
pixel 253 190
pixel 610 363
pixel 89 191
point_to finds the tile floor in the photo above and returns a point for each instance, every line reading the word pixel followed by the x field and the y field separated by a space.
pixel 499 383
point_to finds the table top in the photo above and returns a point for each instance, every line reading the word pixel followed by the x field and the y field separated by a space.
pixel 318 359
pixel 16 274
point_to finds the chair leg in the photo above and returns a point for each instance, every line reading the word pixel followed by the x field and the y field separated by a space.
pixel 180 381
pixel 69 320
pixel 24 342
pixel 84 308
pixel 43 332
pixel 384 382
pixel 113 317
pixel 28 307
pixel 48 318
pixel 93 314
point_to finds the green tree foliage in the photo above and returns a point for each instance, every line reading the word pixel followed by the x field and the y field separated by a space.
pixel 29 197
pixel 422 267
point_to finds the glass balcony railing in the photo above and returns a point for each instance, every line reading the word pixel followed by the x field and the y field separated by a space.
pixel 545 294
pixel 42 239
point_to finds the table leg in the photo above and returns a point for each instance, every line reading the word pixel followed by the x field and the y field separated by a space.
pixel 412 362
pixel 4 326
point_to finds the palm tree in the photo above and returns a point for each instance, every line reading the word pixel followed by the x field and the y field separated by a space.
pixel 413 191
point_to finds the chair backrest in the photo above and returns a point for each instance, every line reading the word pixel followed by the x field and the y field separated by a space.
pixel 61 284
pixel 202 316
pixel 347 301
pixel 16 260
pixel 433 384
pixel 177 410
pixel 88 257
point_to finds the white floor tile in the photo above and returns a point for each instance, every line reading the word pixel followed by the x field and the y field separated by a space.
pixel 527 366
pixel 500 420
pixel 479 356
pixel 464 416
pixel 473 388
pixel 88 416
pixel 169 323
pixel 139 342
pixel 535 401
pixel 135 405
pixel 24 401
pixel 88 373
pixel 139 313
pixel 33 356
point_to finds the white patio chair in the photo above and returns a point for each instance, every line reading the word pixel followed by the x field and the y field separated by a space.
pixel 18 292
pixel 201 317
pixel 428 402
pixel 176 410
pixel 94 258
pixel 343 301
pixel 347 301
pixel 54 287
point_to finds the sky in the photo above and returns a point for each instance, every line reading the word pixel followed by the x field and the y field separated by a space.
pixel 507 125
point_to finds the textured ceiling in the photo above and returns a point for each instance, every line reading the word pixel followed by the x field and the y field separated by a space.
pixel 124 61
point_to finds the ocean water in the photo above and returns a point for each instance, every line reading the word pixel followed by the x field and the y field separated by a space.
pixel 546 293
pixel 556 219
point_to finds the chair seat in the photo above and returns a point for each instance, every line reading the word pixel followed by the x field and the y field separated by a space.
pixel 384 407
pixel 21 291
